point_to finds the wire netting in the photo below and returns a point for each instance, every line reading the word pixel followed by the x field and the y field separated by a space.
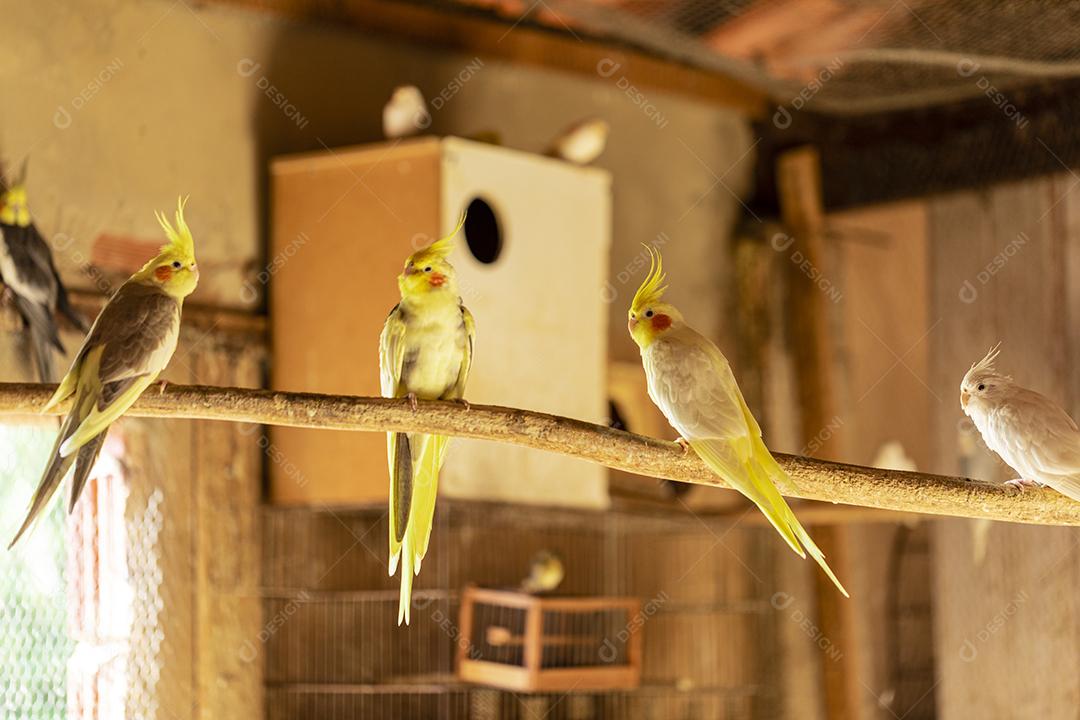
pixel 79 594
pixel 849 56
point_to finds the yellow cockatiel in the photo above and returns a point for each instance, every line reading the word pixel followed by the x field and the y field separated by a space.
pixel 691 382
pixel 425 352
pixel 130 343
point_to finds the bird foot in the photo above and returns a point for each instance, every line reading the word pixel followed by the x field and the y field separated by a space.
pixel 161 387
pixel 463 401
pixel 684 444
pixel 1019 485
pixel 411 397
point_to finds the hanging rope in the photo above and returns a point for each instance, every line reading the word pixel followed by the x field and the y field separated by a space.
pixel 815 479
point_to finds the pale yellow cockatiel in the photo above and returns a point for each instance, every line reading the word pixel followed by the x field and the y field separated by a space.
pixel 128 346
pixel 425 352
pixel 691 382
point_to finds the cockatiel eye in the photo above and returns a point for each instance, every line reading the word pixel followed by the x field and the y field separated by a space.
pixel 427 269
pixel 177 264
pixel 981 386
pixel 648 313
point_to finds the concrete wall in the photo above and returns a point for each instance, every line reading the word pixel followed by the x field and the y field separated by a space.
pixel 122 106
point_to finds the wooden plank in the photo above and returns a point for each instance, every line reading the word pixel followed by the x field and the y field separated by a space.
pixel 477 33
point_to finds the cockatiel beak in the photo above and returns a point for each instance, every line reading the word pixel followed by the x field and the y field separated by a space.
pixel 964 398
pixel 631 324
pixel 409 270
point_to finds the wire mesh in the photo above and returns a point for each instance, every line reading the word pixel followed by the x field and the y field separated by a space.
pixel 334 649
pixel 79 595
pixel 858 56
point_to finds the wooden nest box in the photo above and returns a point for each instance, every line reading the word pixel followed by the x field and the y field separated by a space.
pixel 531 261
pixel 530 643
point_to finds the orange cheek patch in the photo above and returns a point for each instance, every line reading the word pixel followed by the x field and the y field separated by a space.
pixel 437 279
pixel 163 273
pixel 661 322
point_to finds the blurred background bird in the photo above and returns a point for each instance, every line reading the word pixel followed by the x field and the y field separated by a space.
pixel 28 271
pixel 691 382
pixel 1030 432
pixel 546 573
pixel 582 142
pixel 425 352
pixel 130 343
pixel 405 113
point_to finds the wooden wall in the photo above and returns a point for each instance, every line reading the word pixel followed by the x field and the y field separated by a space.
pixel 946 612
pixel 1006 609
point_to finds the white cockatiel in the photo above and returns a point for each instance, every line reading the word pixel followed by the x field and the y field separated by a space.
pixel 1034 436
pixel 582 142
pixel 691 382
pixel 405 113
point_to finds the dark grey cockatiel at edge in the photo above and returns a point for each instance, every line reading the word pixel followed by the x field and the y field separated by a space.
pixel 28 271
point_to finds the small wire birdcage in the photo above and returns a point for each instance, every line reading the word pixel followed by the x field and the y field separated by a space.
pixel 523 642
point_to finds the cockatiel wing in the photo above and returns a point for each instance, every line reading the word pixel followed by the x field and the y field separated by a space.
pixel 391 358
pixel 1037 437
pixel 458 391
pixel 391 353
pixel 26 264
pixel 136 335
pixel 697 391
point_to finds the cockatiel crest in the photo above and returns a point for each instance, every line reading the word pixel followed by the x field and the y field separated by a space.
pixel 985 368
pixel 14 205
pixel 652 287
pixel 174 268
pixel 181 244
pixel 429 268
pixel 983 381
pixel 649 316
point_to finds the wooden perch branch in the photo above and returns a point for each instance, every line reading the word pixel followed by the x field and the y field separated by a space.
pixel 815 479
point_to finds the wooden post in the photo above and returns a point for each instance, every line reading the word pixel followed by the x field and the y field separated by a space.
pixel 803 214
pixel 534 647
pixel 465 623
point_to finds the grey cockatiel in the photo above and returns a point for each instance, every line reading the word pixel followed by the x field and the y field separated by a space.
pixel 1028 430
pixel 129 345
pixel 28 270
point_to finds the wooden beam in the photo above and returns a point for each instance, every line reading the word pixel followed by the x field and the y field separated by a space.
pixel 799 179
pixel 481 32
pixel 814 479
